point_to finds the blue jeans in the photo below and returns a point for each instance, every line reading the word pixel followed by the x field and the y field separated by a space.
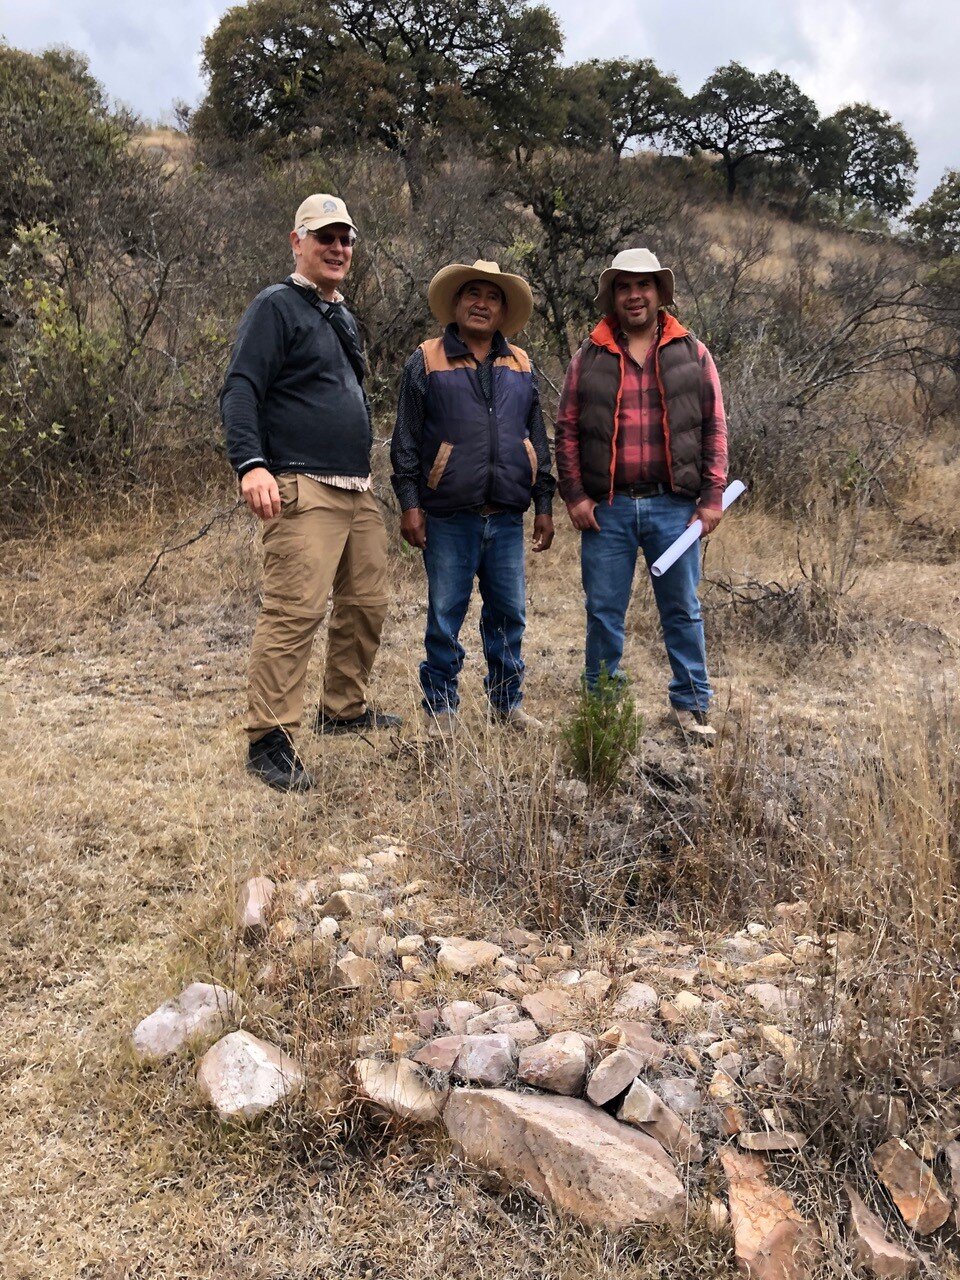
pixel 460 548
pixel 608 560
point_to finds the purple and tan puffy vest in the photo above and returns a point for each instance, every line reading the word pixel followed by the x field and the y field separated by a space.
pixel 598 394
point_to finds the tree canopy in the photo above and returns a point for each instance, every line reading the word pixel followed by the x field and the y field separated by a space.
pixel 936 222
pixel 400 74
pixel 612 103
pixel 871 157
pixel 743 117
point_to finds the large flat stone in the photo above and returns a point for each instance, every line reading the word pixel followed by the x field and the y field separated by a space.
pixel 567 1154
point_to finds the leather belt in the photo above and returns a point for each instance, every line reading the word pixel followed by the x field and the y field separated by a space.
pixel 648 489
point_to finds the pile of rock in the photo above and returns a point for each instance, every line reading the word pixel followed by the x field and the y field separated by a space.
pixel 603 1093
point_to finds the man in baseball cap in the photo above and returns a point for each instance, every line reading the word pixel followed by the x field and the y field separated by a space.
pixel 641 443
pixel 299 435
pixel 470 454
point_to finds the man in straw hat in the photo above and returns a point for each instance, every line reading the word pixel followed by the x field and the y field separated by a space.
pixel 298 435
pixel 641 444
pixel 469 453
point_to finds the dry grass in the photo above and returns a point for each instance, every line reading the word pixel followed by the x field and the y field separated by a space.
pixel 127 822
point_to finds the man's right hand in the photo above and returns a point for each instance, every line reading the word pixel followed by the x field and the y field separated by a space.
pixel 582 515
pixel 259 490
pixel 413 527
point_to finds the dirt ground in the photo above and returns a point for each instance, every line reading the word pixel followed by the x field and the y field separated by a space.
pixel 128 821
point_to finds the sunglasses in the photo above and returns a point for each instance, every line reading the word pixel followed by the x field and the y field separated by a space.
pixel 327 238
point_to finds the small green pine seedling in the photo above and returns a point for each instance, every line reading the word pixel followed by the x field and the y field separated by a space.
pixel 604 731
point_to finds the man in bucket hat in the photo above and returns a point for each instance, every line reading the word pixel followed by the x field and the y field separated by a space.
pixel 469 453
pixel 641 443
pixel 298 435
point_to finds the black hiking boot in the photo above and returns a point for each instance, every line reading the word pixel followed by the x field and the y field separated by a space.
pixel 363 723
pixel 274 759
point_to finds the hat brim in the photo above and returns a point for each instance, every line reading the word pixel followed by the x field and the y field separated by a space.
pixel 314 224
pixel 663 277
pixel 447 283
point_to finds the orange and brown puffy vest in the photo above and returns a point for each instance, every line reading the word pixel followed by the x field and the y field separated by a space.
pixel 599 387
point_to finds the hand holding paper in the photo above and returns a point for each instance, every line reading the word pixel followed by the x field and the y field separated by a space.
pixel 690 535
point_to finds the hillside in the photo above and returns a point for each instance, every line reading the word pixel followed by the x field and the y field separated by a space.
pixel 130 826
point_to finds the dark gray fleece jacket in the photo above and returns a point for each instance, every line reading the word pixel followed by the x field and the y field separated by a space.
pixel 291 400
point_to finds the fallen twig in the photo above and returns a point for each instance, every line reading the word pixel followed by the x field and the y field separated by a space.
pixel 224 513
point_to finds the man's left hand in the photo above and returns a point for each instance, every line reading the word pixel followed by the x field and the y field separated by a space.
pixel 709 517
pixel 542 532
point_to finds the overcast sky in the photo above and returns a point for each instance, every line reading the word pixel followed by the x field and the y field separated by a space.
pixel 899 56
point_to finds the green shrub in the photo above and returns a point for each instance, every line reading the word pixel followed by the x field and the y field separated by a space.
pixel 604 731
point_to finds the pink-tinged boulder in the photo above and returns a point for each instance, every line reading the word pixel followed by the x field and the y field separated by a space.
pixel 200 1012
pixel 771 1239
pixel 612 1075
pixel 486 1059
pixel 912 1185
pixel 553 1008
pixel 637 1036
pixel 440 1054
pixel 253 907
pixel 460 955
pixel 242 1076
pixel 568 1155
pixel 558 1065
pixel 643 1108
pixel 493 1019
pixel 457 1014
pixel 636 999
pixel 397 1089
pixel 871 1247
pixel 523 1032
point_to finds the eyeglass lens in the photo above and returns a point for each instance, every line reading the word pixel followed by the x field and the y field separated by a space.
pixel 328 238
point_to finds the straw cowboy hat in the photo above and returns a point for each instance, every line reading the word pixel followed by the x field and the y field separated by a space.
pixel 448 282
pixel 639 262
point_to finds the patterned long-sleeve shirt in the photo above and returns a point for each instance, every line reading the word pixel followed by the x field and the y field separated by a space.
pixel 641 450
pixel 408 433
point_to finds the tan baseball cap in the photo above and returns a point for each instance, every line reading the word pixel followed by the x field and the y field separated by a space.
pixel 322 211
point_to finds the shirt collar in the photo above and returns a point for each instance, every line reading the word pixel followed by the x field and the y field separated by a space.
pixel 454 345
pixel 304 283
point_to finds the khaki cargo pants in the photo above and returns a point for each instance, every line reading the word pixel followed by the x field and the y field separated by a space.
pixel 324 540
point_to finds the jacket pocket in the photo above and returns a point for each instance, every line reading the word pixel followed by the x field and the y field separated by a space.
pixel 532 455
pixel 439 464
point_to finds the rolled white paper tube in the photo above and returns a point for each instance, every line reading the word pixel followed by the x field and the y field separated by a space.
pixel 689 536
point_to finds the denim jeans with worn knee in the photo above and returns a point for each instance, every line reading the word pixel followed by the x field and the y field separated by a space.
pixel 460 548
pixel 608 560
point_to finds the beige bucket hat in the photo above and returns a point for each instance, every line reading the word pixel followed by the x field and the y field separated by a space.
pixel 448 282
pixel 639 262
pixel 322 211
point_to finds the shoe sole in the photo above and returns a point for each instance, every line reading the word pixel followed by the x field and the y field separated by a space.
pixel 334 729
pixel 281 781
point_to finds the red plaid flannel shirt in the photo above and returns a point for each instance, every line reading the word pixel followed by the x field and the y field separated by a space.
pixel 641 449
